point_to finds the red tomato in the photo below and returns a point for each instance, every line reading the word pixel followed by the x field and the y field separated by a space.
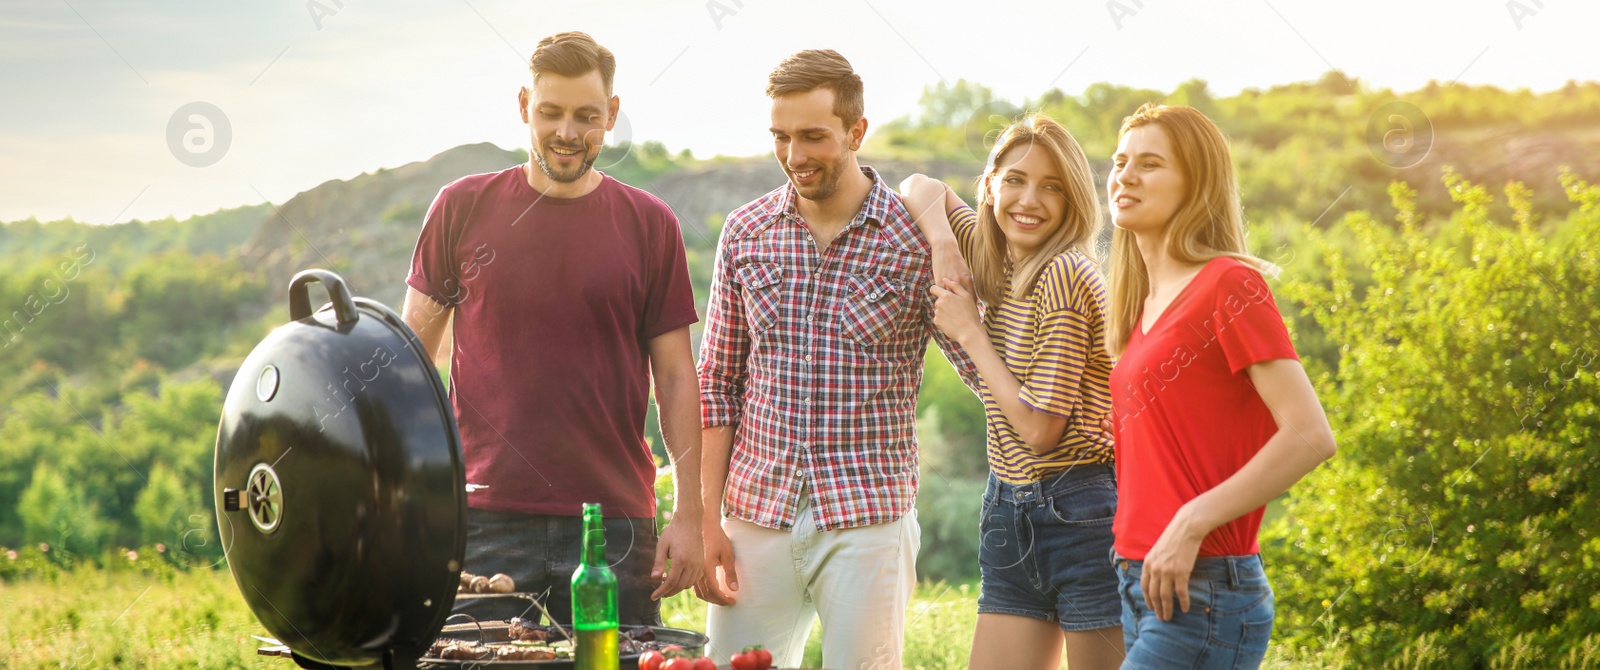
pixel 679 663
pixel 764 656
pixel 745 660
pixel 704 663
pixel 651 660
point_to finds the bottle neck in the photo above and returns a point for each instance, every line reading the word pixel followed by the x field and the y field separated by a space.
pixel 594 540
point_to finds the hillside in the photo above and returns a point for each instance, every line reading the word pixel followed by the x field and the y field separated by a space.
pixel 366 227
pixel 363 227
pixel 1301 150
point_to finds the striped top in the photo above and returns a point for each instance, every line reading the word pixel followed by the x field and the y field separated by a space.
pixel 1051 340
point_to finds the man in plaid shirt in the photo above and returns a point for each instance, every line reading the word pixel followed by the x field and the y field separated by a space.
pixel 809 370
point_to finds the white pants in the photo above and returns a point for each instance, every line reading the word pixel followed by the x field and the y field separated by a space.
pixel 859 580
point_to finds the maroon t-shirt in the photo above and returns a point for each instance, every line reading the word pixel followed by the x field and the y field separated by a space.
pixel 555 302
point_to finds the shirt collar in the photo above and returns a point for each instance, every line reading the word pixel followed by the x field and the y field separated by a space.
pixel 874 211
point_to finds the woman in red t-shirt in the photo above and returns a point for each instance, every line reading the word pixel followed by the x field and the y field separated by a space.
pixel 1212 413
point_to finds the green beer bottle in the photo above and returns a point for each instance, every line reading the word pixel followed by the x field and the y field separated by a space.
pixel 594 599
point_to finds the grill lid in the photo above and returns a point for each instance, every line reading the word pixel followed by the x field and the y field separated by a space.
pixel 340 489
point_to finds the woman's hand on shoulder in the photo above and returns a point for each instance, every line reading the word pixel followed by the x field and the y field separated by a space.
pixel 925 190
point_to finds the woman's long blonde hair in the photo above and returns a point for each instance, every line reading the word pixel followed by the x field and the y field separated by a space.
pixel 1077 232
pixel 1208 224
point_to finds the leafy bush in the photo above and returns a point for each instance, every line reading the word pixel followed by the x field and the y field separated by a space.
pixel 948 511
pixel 129 474
pixel 950 426
pixel 32 561
pixel 1454 529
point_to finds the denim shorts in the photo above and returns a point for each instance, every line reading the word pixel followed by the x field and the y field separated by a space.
pixel 540 552
pixel 1044 545
pixel 1228 624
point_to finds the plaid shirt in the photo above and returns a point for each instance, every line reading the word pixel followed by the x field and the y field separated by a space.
pixel 817 358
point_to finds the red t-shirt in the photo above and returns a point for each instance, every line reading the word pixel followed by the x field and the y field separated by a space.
pixel 1185 413
pixel 555 302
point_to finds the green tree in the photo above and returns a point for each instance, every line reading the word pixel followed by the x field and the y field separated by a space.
pixel 60 515
pixel 31 434
pixel 176 306
pixel 174 427
pixel 953 104
pixel 1194 93
pixel 638 163
pixel 57 312
pixel 164 508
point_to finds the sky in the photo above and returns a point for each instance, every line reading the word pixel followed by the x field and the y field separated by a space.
pixel 112 110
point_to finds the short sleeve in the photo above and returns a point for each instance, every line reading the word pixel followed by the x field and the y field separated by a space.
pixel 964 223
pixel 669 297
pixel 1253 330
pixel 1063 338
pixel 433 262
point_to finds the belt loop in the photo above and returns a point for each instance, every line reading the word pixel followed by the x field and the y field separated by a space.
pixel 1233 571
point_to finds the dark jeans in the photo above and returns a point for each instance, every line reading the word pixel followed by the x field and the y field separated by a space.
pixel 1044 545
pixel 541 552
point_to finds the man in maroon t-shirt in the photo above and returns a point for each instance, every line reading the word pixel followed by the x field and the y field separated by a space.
pixel 568 291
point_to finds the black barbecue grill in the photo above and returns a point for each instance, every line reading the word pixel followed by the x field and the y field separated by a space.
pixel 341 494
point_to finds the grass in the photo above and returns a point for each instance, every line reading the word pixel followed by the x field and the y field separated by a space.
pixel 92 618
pixel 939 625
pixel 95 618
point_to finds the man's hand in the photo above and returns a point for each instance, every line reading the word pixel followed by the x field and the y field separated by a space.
pixel 678 399
pixel 682 547
pixel 717 586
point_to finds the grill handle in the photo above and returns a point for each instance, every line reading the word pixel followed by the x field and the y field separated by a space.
pixel 300 304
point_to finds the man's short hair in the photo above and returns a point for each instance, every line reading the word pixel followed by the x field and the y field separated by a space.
pixel 573 54
pixel 821 68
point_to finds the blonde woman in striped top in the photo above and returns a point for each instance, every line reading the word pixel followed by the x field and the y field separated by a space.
pixel 1036 358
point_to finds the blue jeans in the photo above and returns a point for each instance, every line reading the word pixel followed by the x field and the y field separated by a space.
pixel 540 552
pixel 1228 624
pixel 1044 545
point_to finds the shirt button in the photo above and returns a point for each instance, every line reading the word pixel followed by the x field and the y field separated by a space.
pixel 808 358
pixel 808 401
